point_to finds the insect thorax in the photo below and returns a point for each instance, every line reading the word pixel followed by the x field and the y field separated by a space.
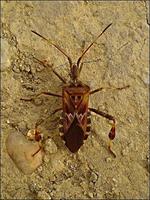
pixel 75 97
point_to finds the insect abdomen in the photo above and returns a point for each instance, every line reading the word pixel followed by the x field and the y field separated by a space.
pixel 74 136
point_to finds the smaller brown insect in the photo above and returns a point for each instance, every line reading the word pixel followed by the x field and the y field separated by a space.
pixel 75 119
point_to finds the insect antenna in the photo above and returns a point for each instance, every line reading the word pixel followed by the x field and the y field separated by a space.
pixel 80 58
pixel 57 47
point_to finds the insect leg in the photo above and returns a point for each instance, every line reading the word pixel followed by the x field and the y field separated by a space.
pixel 56 110
pixel 40 148
pixel 42 120
pixel 112 130
pixel 109 88
pixel 42 93
pixel 54 120
pixel 45 64
pixel 35 135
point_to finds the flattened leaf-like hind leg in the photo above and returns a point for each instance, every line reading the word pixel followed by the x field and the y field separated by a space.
pixel 112 130
pixel 35 135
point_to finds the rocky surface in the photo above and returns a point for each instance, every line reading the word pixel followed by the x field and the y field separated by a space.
pixel 118 58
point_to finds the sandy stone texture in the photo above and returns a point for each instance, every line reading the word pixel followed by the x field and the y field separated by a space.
pixel 118 58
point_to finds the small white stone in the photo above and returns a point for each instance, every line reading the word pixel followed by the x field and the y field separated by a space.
pixel 8 121
pixel 93 177
pixel 40 169
pixel 50 146
pixel 114 180
pixel 125 152
pixel 108 160
pixel 90 194
pixel 43 195
pixel 46 159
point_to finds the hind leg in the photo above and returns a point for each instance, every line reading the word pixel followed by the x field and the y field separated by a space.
pixel 111 134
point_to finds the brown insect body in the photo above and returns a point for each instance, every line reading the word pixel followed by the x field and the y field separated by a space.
pixel 75 111
pixel 75 122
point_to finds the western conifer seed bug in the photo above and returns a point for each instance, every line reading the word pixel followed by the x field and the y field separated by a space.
pixel 75 121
